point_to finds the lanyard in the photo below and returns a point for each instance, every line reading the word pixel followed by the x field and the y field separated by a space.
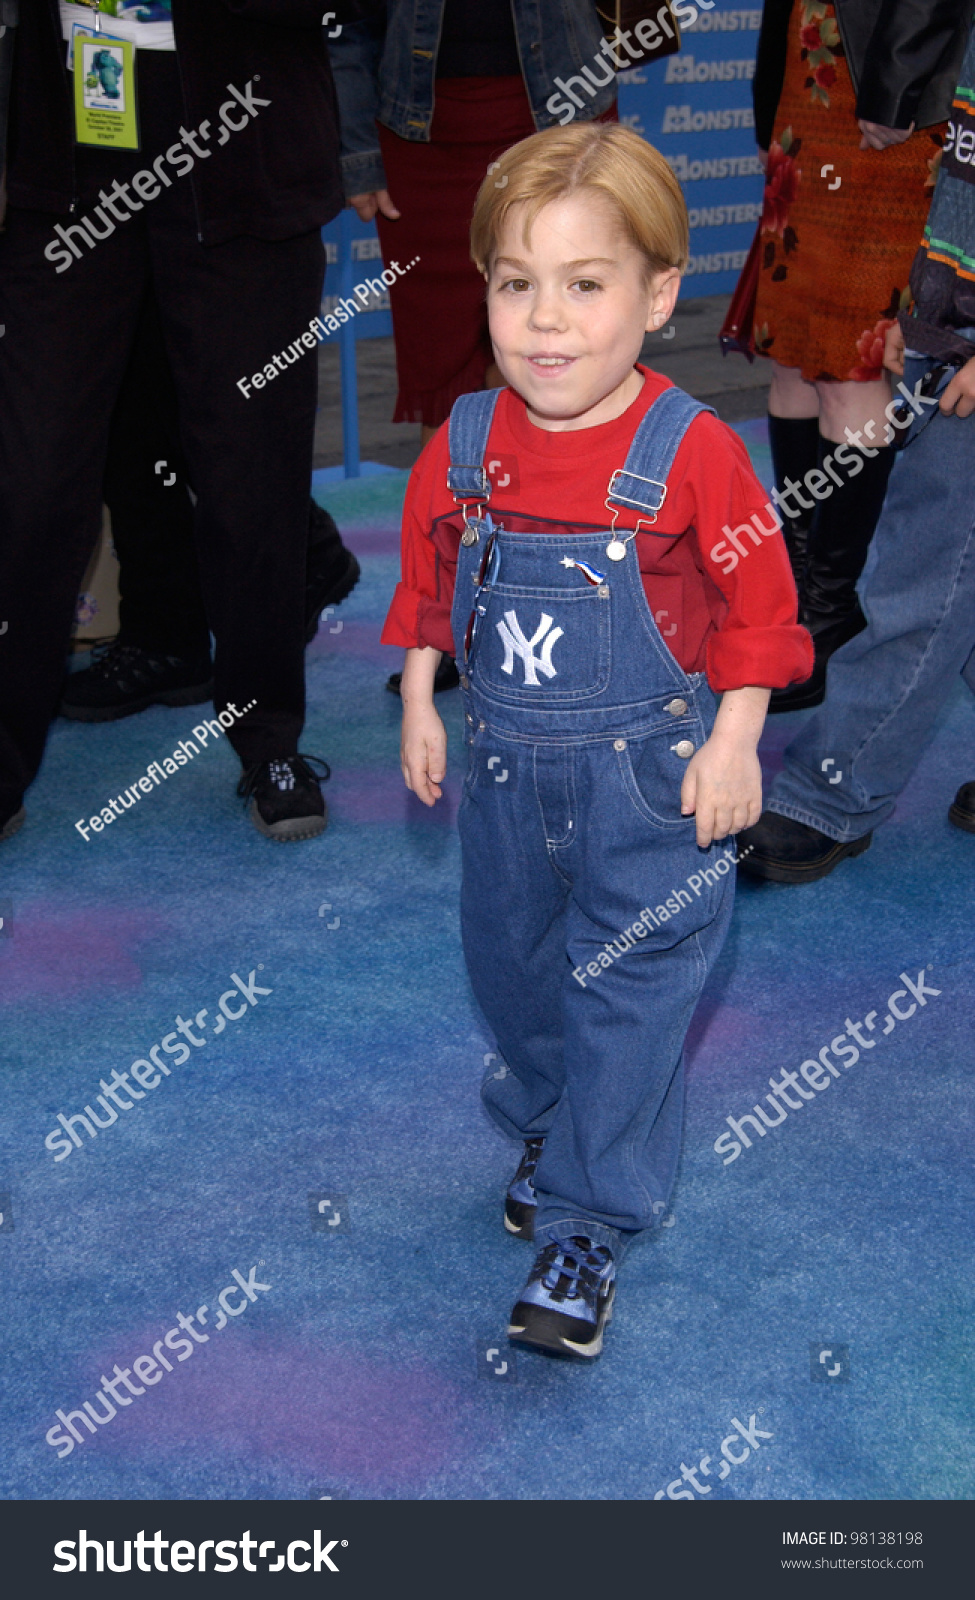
pixel 93 5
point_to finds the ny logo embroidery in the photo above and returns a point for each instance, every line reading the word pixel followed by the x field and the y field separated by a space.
pixel 515 644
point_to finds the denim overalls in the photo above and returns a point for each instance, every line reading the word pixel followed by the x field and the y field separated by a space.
pixel 580 724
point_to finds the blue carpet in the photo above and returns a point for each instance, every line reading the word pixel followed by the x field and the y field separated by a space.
pixel 361 1369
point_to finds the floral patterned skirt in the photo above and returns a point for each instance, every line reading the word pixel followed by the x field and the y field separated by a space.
pixel 836 248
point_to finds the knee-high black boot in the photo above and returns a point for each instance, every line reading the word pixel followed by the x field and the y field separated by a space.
pixel 839 536
pixel 794 443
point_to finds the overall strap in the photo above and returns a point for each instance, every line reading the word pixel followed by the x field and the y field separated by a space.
pixel 641 483
pixel 470 424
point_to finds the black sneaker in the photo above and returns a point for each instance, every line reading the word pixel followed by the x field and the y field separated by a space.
pixel 961 811
pixel 332 571
pixel 12 823
pixel 446 677
pixel 286 801
pixel 124 679
pixel 568 1299
pixel 519 1202
pixel 786 851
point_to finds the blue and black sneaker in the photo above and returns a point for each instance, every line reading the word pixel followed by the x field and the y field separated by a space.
pixel 568 1299
pixel 519 1202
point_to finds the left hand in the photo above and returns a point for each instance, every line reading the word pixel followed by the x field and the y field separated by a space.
pixel 959 396
pixel 877 137
pixel 722 788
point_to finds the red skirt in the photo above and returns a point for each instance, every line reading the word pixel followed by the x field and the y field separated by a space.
pixel 439 315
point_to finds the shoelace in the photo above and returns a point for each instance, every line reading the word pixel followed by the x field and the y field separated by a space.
pixel 299 766
pixel 566 1272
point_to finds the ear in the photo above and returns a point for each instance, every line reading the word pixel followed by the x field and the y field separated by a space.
pixel 664 289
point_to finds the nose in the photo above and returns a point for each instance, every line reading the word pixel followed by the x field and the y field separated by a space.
pixel 547 312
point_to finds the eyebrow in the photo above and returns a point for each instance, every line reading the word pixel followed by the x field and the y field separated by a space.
pixel 566 266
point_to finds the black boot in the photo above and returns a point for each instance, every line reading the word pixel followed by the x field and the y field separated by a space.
pixel 794 442
pixel 839 537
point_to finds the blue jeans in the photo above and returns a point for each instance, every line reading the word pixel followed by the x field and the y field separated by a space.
pixel 885 687
pixel 590 917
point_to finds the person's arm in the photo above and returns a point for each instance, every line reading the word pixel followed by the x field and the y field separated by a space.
pixel 909 44
pixel 770 61
pixel 355 57
pixel 722 786
pixel 423 741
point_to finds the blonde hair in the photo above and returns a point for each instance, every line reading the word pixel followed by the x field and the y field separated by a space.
pixel 603 158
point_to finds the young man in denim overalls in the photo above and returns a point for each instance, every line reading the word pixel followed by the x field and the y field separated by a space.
pixel 542 527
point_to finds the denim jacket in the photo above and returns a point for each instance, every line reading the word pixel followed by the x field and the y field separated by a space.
pixel 384 68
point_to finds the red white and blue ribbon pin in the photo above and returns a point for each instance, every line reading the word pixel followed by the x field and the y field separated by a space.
pixel 590 574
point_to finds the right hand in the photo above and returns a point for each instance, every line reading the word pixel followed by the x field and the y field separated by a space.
pixel 894 350
pixel 423 752
pixel 366 205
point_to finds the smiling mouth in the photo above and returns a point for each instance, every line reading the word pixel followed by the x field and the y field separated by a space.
pixel 550 361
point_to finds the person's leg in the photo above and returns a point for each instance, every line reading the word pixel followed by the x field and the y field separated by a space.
pixel 841 525
pixel 793 434
pixel 844 771
pixel 146 489
pixel 161 655
pixel 227 311
pixel 611 1154
pixel 513 906
pixel 61 363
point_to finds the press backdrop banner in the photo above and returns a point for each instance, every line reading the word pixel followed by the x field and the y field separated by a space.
pixel 696 108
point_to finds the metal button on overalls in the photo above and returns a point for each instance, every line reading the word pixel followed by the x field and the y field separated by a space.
pixel 676 708
pixel 684 749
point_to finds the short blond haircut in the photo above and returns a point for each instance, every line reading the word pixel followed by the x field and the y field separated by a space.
pixel 599 157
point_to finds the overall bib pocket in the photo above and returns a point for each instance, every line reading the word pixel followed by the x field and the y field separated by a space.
pixel 540 647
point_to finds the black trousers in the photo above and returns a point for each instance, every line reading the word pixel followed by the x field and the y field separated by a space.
pixel 147 491
pixel 225 311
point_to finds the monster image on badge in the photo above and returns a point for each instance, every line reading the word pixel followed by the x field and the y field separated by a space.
pixel 104 93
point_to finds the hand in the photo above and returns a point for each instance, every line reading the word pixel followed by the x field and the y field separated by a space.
pixel 894 350
pixel 763 158
pixel 366 205
pixel 723 789
pixel 423 752
pixel 723 783
pixel 877 137
pixel 959 397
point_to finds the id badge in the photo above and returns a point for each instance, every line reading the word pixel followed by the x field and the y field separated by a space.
pixel 104 93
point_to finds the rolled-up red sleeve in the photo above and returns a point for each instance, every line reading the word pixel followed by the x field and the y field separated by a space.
pixel 419 615
pixel 757 638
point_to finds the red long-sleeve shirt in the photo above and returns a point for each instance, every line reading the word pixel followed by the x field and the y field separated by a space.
pixel 728 614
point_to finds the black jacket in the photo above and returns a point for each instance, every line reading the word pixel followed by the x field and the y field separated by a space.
pixel 276 178
pixel 904 58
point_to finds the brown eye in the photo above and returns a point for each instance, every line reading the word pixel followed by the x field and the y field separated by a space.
pixel 587 285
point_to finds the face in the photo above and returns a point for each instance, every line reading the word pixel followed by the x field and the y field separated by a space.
pixel 568 312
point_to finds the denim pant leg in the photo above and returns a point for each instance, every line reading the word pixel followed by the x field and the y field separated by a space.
pixel 611 1155
pixel 884 688
pixel 513 906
